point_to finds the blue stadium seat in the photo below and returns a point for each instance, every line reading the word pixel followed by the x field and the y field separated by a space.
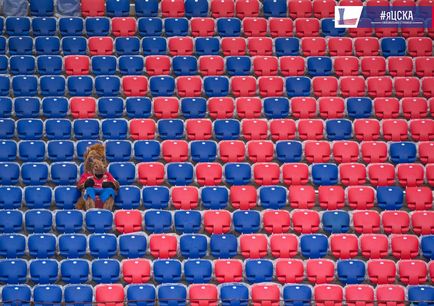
pixel 390 197
pixel 170 129
pixel 131 65
pixel 297 295
pixel 102 245
pixel 38 220
pixel 238 65
pixel 44 26
pixel 246 222
pixel 138 107
pixel 47 45
pixel 37 197
pixel 71 26
pixel 223 246
pixel 141 294
pixel 53 85
pixel 97 26
pixel 4 85
pixel 22 64
pixel 162 86
pixel 197 271
pixel 236 294
pixel 80 85
pixel 193 107
pixel 154 46
pixel 146 8
pixel 110 107
pixel 34 173
pixel 72 245
pixel 228 129
pixel 172 295
pixel 339 129
pixel 184 65
pixel 258 271
pixel 74 271
pixel 60 150
pixel 128 197
pixel 216 86
pixel 158 221
pixel 44 271
pixel 196 8
pixel 150 26
pixel 176 27
pixel 118 150
pixel 13 271
pixel 215 197
pixel 41 245
pixel 86 129
pixel 42 7
pixel 191 245
pixel 103 65
pixel 427 246
pixel 393 46
pixel 319 65
pixel 69 221
pixel 359 107
pixel 180 174
pixel 324 174
pixel 74 45
pixel 27 107
pixel 328 28
pixel 132 245
pixel 351 271
pixel 156 197
pixel 274 8
pixel 31 151
pixel 2 45
pixel 117 8
pixel 19 295
pixel 99 221
pixel 298 86
pixel 64 173
pixel 4 64
pixel 18 26
pixel 49 64
pixel 79 295
pixel 289 151
pixel 335 221
pixel 419 295
pixel 105 271
pixel 9 174
pixel 11 221
pixel 44 295
pixel 287 46
pixel 25 86
pixel 313 246
pixel 12 245
pixel 147 151
pixel 237 173
pixel 187 221
pixel 66 197
pixel 82 146
pixel 276 107
pixel 203 151
pixel 272 197
pixel 58 129
pixel 167 271
pixel 10 197
pixel 2 25
pixel 8 150
pixel 124 173
pixel 107 86
pixel 127 46
pixel 228 27
pixel 207 46
pixel 5 107
pixel 403 152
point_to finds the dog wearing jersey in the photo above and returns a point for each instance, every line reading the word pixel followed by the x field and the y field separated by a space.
pixel 98 187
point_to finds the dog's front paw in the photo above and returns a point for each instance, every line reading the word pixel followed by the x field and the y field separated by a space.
pixel 108 185
pixel 89 183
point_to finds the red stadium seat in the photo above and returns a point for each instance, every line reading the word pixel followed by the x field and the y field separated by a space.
pixel 429 172
pixel 320 271
pixel 280 27
pixel 124 26
pixel 400 66
pixel 163 245
pixel 172 8
pixel 243 86
pixel 260 151
pixel 292 65
pixel 406 87
pixel 289 271
pixel 419 46
pixel 390 295
pixel 367 31
pixel 189 86
pixel 303 108
pixel 134 85
pixel 325 87
pixel 331 107
pixel 151 173
pixel 381 271
pixel 386 108
pixel 243 197
pixel 265 65
pixel 198 129
pixel 352 86
pixel 233 46
pixel 222 8
pixel 109 295
pixel 217 221
pixel 395 129
pixel 265 295
pixel 414 108
pixel 305 221
pixel 248 107
pixel 359 295
pixel 211 65
pixel 276 221
pixel 270 86
pixel 340 46
pixel 232 151
pixel 221 108
pixel 142 129
pixel 255 27
pixel 345 151
pixel 404 246
pixel 331 197
pixel 174 150
pixel 100 45
pixel 128 221
pixel 313 46
pixel 266 173
pixel 246 8
pixel 366 221
pixel 419 198
pixel 360 197
pixel 366 46
pixel 185 197
pixel 373 66
pixel 203 295
pixel 76 65
pixel 379 86
pixel 328 295
pixel 367 129
pixel 300 8
pixel 410 175
pixel 306 27
pixel 283 245
pixel 352 174
pixel 431 269
pixel 344 246
pixel 253 245
pixel 317 151
pixel 412 272
pixel 228 270
pixel 295 174
pixel 260 46
pixel 82 107
pixel 209 174
pixel 381 174
pixel 431 106
pixel 324 8
pixel 157 65
pixel 422 222
pixel 254 129
pixel 166 107
pixel 311 129
pixel 136 271
pixel 346 65
pixel 301 196
pixel 180 46
pixel 424 66
pixel 203 27
pixel 422 129
pixel 395 222
pixel 374 246
pixel 92 8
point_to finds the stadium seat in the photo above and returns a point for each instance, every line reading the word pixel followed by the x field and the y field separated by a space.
pixel 132 245
pixel 319 271
pixel 47 294
pixel 68 221
pixel 137 292
pixel 97 26
pixel 313 246
pixel 74 271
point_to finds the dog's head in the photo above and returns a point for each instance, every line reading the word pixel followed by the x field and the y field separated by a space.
pixel 95 160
